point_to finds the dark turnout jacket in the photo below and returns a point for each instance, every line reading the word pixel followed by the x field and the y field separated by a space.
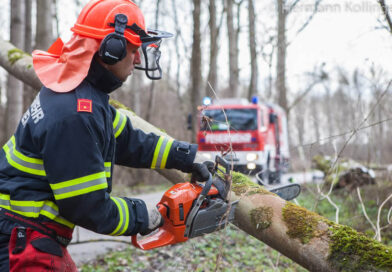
pixel 58 165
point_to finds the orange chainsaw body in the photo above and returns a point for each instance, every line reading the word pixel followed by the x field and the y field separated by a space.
pixel 174 207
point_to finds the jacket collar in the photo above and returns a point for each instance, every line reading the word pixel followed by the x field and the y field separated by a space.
pixel 101 78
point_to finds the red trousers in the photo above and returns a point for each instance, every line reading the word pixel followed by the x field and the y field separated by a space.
pixel 30 250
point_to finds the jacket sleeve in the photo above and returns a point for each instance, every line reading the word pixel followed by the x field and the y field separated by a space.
pixel 78 174
pixel 134 148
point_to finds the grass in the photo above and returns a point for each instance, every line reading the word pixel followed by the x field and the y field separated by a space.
pixel 350 213
pixel 237 250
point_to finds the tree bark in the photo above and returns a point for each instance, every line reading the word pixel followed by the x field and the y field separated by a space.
pixel 281 57
pixel 233 51
pixel 196 77
pixel 252 47
pixel 14 107
pixel 28 94
pixel 305 237
pixel 214 32
pixel 44 27
pixel 19 64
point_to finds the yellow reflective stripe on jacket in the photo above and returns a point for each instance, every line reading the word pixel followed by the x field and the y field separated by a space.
pixel 34 209
pixel 123 213
pixel 119 123
pixel 79 186
pixel 22 162
pixel 108 169
pixel 161 152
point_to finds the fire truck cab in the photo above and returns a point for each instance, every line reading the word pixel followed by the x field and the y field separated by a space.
pixel 250 135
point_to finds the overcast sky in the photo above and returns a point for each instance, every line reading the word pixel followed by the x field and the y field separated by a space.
pixel 342 33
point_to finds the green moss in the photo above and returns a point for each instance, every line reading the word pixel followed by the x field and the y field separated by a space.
pixel 322 163
pixel 29 66
pixel 15 54
pixel 243 185
pixel 353 251
pixel 119 105
pixel 261 217
pixel 301 223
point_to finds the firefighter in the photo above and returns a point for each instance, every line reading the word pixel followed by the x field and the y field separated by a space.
pixel 56 170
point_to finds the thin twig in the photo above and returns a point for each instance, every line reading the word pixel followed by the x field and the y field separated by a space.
pixel 354 131
pixel 365 213
pixel 379 216
pixel 384 9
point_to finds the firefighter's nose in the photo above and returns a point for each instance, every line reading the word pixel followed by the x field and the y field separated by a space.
pixel 137 59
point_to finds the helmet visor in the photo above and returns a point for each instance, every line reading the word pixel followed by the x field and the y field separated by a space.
pixel 151 42
pixel 150 60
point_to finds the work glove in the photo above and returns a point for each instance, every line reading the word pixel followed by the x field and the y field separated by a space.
pixel 155 220
pixel 201 171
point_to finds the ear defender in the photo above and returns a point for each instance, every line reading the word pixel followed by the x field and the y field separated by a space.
pixel 114 46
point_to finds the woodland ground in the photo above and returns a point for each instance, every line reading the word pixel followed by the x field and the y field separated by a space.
pixel 238 251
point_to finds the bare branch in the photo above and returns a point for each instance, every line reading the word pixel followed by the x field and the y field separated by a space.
pixel 389 216
pixel 384 9
pixel 379 216
pixel 292 6
pixel 364 211
pixel 310 18
pixel 302 96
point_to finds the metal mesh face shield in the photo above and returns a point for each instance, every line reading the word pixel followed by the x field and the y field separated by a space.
pixel 151 42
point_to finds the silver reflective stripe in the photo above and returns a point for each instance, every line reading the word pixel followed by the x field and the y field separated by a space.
pixel 79 186
pixel 28 209
pixel 119 123
pixel 50 210
pixel 25 209
pixel 161 152
pixel 22 162
pixel 4 202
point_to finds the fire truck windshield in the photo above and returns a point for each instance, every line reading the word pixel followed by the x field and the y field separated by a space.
pixel 239 119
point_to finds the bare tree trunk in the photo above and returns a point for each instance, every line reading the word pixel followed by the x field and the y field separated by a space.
pixel 28 94
pixel 253 54
pixel 14 108
pixel 214 32
pixel 19 64
pixel 195 66
pixel 233 51
pixel 303 236
pixel 151 100
pixel 281 58
pixel 44 27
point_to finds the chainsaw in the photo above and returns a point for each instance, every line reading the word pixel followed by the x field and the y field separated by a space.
pixel 190 210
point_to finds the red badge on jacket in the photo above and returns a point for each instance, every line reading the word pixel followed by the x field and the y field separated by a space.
pixel 85 105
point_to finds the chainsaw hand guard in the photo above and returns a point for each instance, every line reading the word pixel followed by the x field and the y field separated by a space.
pixel 189 210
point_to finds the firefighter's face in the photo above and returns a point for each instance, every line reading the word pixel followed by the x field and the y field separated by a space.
pixel 125 67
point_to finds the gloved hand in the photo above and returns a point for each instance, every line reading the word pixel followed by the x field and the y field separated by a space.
pixel 155 220
pixel 201 171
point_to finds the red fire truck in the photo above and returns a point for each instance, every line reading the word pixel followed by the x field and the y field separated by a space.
pixel 251 135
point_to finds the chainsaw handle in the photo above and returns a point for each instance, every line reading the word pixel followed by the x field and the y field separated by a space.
pixel 207 186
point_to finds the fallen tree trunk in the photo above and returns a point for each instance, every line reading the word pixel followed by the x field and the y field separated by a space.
pixel 305 237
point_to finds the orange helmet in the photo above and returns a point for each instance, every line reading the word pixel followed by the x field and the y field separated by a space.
pixel 97 18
